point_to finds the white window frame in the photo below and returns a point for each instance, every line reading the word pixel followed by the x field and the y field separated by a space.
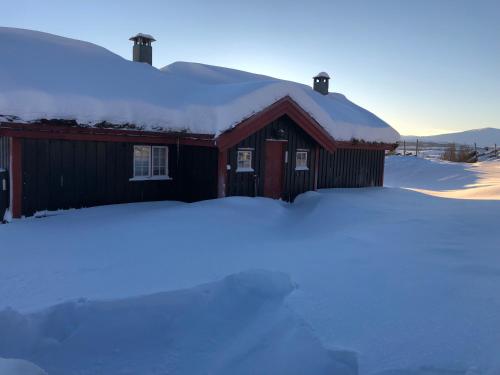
pixel 150 176
pixel 302 167
pixel 244 169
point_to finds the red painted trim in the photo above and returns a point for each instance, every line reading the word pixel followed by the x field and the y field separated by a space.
pixel 222 174
pixel 74 133
pixel 228 139
pixel 283 106
pixel 17 176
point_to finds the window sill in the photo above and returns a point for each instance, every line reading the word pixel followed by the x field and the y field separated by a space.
pixel 244 170
pixel 301 168
pixel 153 178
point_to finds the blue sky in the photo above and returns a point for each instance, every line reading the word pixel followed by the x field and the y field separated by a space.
pixel 425 66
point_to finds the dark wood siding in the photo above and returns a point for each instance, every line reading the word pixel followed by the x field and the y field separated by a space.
pixel 4 175
pixel 346 168
pixel 4 153
pixel 198 170
pixel 73 174
pixel 4 193
pixel 252 183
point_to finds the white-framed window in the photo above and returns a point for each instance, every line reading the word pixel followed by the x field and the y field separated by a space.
pixel 244 161
pixel 301 160
pixel 150 163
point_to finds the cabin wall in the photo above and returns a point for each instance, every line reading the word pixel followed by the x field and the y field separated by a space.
pixel 294 182
pixel 4 175
pixel 59 174
pixel 4 153
pixel 351 168
pixel 198 171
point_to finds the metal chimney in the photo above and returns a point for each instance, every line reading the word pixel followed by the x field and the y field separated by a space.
pixel 142 50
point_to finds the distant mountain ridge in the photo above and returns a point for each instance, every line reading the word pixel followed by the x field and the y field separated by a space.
pixel 482 137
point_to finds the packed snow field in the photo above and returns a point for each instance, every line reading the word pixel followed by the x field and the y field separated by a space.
pixel 445 179
pixel 371 281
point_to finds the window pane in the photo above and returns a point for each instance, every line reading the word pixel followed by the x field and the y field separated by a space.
pixel 160 161
pixel 301 159
pixel 142 157
pixel 244 159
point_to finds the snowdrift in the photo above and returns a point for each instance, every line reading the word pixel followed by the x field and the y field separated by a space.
pixel 43 76
pixel 445 179
pixel 19 367
pixel 239 325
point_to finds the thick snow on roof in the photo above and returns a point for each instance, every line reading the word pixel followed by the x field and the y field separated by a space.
pixel 43 76
pixel 322 75
pixel 141 35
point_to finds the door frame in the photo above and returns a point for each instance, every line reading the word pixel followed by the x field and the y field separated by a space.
pixel 284 148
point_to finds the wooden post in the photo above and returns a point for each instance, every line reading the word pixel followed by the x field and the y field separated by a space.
pixel 16 173
pixel 404 148
pixel 495 150
pixel 416 149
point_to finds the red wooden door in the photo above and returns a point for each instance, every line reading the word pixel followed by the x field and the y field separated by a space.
pixel 273 174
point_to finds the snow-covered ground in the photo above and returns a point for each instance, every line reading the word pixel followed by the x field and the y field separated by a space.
pixel 445 179
pixel 399 279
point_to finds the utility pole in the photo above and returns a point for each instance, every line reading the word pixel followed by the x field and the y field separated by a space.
pixel 416 149
pixel 404 148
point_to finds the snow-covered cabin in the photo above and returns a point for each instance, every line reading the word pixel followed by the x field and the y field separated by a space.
pixel 82 126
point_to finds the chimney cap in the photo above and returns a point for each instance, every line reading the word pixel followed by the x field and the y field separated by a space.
pixel 143 36
pixel 322 75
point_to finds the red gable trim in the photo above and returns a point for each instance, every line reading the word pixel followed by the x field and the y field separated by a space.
pixel 284 106
pixel 287 106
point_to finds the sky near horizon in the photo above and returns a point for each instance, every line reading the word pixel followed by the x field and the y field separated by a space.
pixel 425 67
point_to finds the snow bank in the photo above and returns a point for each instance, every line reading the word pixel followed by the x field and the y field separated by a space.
pixel 445 179
pixel 19 367
pixel 44 76
pixel 236 326
pixel 407 281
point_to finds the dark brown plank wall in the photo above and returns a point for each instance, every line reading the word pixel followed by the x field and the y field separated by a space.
pixel 61 174
pixel 347 168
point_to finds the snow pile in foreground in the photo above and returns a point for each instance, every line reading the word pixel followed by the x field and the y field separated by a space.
pixel 235 326
pixel 43 76
pixel 19 367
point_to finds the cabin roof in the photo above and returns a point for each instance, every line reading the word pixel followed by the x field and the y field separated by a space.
pixel 44 76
